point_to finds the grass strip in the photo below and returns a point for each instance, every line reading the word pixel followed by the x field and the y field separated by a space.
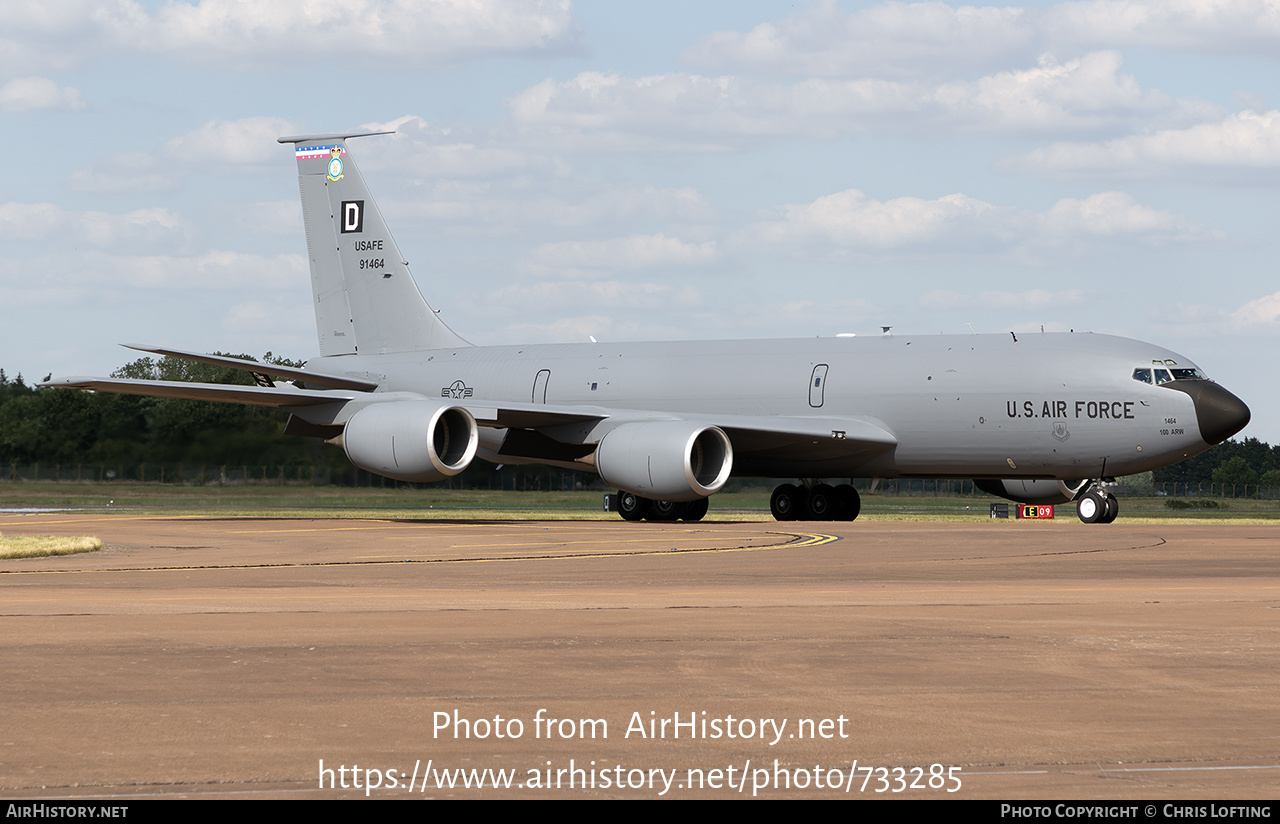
pixel 25 546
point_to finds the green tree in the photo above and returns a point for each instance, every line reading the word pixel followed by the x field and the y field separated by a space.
pixel 1235 470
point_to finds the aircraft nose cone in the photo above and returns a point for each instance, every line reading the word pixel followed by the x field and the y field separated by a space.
pixel 1219 413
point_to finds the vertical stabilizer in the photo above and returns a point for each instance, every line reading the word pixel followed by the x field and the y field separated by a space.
pixel 365 299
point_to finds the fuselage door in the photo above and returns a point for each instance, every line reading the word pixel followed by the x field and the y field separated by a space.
pixel 540 386
pixel 817 385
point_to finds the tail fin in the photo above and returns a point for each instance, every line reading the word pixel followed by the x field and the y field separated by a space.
pixel 366 300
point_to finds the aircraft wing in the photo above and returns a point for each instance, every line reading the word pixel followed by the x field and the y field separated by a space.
pixel 279 396
pixel 508 415
pixel 761 443
pixel 761 436
pixel 767 445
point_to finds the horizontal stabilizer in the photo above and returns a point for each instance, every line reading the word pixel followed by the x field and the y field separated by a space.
pixel 288 372
pixel 280 396
pixel 316 138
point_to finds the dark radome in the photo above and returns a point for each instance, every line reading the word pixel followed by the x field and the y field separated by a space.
pixel 1220 413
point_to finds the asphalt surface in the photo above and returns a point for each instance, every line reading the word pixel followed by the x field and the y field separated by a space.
pixel 266 658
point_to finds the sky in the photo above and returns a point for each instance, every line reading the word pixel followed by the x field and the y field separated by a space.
pixel 651 171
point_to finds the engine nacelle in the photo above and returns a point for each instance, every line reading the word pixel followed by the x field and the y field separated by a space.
pixel 1033 492
pixel 411 440
pixel 666 460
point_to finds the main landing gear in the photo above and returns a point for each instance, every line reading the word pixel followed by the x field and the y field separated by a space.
pixel 821 502
pixel 1097 507
pixel 634 508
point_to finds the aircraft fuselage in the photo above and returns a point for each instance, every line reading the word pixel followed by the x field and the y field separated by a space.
pixel 1039 406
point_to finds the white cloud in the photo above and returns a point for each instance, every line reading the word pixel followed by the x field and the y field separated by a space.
pixel 945 299
pixel 1246 140
pixel 693 111
pixel 549 296
pixel 503 207
pixel 851 220
pixel 1264 310
pixel 282 218
pixel 921 39
pixel 1087 92
pixel 428 150
pixel 39 222
pixel 579 328
pixel 211 270
pixel 829 313
pixel 886 40
pixel 61 35
pixel 285 325
pixel 1260 316
pixel 25 94
pixel 1115 213
pixel 223 144
pixel 1226 26
pixel 30 221
pixel 493 184
pixel 624 253
pixel 127 172
pixel 189 283
pixel 422 31
pixel 249 140
pixel 240 32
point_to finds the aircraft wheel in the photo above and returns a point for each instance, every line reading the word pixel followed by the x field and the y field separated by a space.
pixel 1113 509
pixel 822 503
pixel 631 506
pixel 784 503
pixel 802 504
pixel 1092 508
pixel 695 510
pixel 848 503
pixel 666 510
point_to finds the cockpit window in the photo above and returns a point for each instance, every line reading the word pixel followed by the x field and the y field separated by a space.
pixel 1160 373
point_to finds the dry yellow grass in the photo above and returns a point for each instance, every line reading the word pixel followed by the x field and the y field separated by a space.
pixel 23 546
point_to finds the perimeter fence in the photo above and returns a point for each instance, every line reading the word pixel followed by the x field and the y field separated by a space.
pixel 528 479
pixel 519 479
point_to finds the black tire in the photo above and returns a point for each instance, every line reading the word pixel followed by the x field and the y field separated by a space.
pixel 1091 508
pixel 696 510
pixel 1113 509
pixel 632 507
pixel 849 503
pixel 784 503
pixel 666 510
pixel 822 503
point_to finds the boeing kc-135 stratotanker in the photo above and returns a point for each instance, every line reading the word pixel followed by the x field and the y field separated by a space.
pixel 1035 418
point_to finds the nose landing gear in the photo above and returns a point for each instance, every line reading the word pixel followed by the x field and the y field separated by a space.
pixel 1097 507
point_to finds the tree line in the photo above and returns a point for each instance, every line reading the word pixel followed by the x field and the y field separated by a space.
pixel 59 427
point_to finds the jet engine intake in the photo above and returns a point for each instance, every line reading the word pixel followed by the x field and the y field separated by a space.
pixel 666 460
pixel 1033 492
pixel 419 441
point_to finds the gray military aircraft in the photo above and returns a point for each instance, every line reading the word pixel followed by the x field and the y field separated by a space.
pixel 1036 418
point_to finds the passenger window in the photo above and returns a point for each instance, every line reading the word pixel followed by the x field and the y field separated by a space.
pixel 1143 375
